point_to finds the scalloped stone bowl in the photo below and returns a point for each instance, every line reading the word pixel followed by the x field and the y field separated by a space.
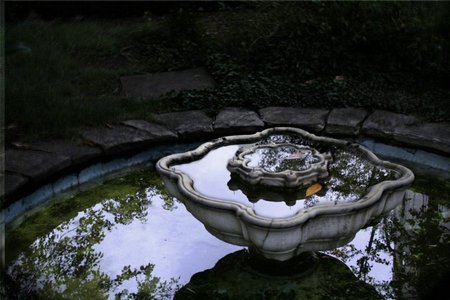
pixel 355 188
pixel 279 165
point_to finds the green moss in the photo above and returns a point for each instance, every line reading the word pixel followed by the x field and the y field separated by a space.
pixel 435 187
pixel 55 247
pixel 126 188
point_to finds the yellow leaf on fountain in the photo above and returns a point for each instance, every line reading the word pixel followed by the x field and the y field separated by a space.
pixel 311 190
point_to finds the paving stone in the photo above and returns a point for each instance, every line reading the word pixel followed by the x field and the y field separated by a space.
pixel 13 183
pixel 78 152
pixel 158 132
pixel 426 135
pixel 384 123
pixel 310 119
pixel 237 120
pixel 35 164
pixel 408 130
pixel 117 139
pixel 345 121
pixel 157 84
pixel 188 124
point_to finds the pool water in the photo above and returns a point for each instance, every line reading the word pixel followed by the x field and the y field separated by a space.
pixel 124 237
pixel 350 177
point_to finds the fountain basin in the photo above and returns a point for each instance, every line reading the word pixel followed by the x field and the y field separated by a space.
pixel 322 226
pixel 306 165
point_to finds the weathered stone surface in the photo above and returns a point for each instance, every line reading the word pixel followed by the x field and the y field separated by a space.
pixel 74 149
pixel 117 139
pixel 384 123
pixel 427 135
pixel 408 130
pixel 310 119
pixel 158 84
pixel 188 124
pixel 13 182
pixel 237 120
pixel 345 121
pixel 35 164
pixel 158 132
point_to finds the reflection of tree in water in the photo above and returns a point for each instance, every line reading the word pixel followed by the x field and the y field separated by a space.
pixel 64 263
pixel 351 175
pixel 296 139
pixel 283 139
pixel 278 159
pixel 418 251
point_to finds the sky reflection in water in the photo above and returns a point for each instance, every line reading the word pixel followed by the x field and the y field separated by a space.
pixel 350 176
pixel 148 227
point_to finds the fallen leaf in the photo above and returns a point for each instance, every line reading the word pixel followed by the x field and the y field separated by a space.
pixel 311 190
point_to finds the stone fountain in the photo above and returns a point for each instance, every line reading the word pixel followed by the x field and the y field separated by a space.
pixel 284 191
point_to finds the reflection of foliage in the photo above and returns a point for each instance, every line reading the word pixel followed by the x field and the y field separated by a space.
pixel 148 288
pixel 129 208
pixel 283 139
pixel 63 264
pixel 311 201
pixel 277 159
pixel 419 247
pixel 423 249
pixel 352 174
pixel 296 139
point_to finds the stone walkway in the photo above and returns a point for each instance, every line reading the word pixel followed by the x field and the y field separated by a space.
pixel 40 163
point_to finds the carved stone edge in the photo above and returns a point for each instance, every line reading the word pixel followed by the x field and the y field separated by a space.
pixel 185 184
pixel 287 178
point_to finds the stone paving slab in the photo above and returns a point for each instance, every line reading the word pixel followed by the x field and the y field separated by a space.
pixel 310 119
pixel 157 84
pixel 30 166
pixel 36 165
pixel 117 139
pixel 345 121
pixel 408 130
pixel 77 152
pixel 158 132
pixel 188 124
pixel 426 135
pixel 232 120
pixel 384 123
pixel 13 183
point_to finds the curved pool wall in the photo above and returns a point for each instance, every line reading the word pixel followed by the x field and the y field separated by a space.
pixel 411 155
pixel 44 193
pixel 421 158
pixel 414 156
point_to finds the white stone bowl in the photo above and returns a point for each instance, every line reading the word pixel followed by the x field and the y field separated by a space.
pixel 321 227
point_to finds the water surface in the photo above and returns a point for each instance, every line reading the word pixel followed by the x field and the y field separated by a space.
pixel 126 238
pixel 350 177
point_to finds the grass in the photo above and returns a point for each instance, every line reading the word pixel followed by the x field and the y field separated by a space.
pixel 64 81
pixel 262 54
